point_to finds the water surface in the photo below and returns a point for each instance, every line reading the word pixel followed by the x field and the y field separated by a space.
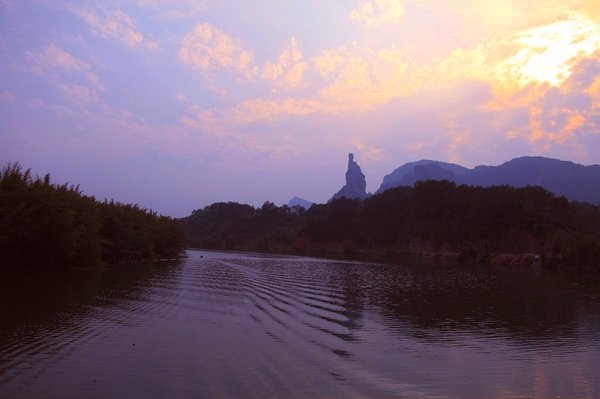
pixel 227 325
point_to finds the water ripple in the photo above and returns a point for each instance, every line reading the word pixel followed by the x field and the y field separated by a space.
pixel 238 325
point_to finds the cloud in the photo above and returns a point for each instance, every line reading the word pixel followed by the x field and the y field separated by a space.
pixel 54 57
pixel 593 91
pixel 473 20
pixel 288 70
pixel 72 78
pixel 114 24
pixel 203 119
pixel 561 115
pixel 151 44
pixel 373 13
pixel 351 79
pixel 363 80
pixel 517 67
pixel 328 62
pixel 250 111
pixel 546 54
pixel 78 94
pixel 208 49
pixel 94 80
pixel 545 119
pixel 181 97
pixel 247 112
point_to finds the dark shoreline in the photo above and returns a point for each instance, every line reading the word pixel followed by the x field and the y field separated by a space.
pixel 98 265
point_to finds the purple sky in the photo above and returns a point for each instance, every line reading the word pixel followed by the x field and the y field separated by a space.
pixel 178 104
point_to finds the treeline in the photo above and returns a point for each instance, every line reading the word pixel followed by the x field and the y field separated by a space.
pixel 433 217
pixel 234 226
pixel 46 225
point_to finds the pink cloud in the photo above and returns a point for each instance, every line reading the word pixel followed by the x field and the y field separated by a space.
pixel 114 24
pixel 78 94
pixel 203 119
pixel 54 57
pixel 94 80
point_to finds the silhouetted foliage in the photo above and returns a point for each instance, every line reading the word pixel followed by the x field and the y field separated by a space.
pixel 432 217
pixel 49 225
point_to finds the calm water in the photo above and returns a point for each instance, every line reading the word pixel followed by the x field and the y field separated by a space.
pixel 225 325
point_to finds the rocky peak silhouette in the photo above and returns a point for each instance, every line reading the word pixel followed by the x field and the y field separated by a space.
pixel 356 184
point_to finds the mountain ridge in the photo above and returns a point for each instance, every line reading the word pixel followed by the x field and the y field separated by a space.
pixel 563 178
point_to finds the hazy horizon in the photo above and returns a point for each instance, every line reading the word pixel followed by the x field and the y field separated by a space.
pixel 176 105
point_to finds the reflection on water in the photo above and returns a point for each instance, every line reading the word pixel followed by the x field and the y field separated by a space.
pixel 235 325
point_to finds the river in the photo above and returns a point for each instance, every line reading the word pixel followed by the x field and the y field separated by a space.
pixel 230 325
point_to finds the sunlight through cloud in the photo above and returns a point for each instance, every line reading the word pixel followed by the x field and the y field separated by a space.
pixel 549 52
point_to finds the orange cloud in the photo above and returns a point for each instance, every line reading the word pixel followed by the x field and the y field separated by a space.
pixel 359 80
pixel 208 48
pixel 328 62
pixel 288 70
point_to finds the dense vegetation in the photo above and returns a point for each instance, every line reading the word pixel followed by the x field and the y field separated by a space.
pixel 48 225
pixel 431 217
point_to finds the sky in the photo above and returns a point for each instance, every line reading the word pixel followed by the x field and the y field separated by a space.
pixel 175 105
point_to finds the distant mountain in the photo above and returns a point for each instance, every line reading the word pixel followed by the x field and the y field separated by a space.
pixel 574 181
pixel 411 172
pixel 300 202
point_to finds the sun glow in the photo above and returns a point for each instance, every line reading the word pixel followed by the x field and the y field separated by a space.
pixel 548 53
